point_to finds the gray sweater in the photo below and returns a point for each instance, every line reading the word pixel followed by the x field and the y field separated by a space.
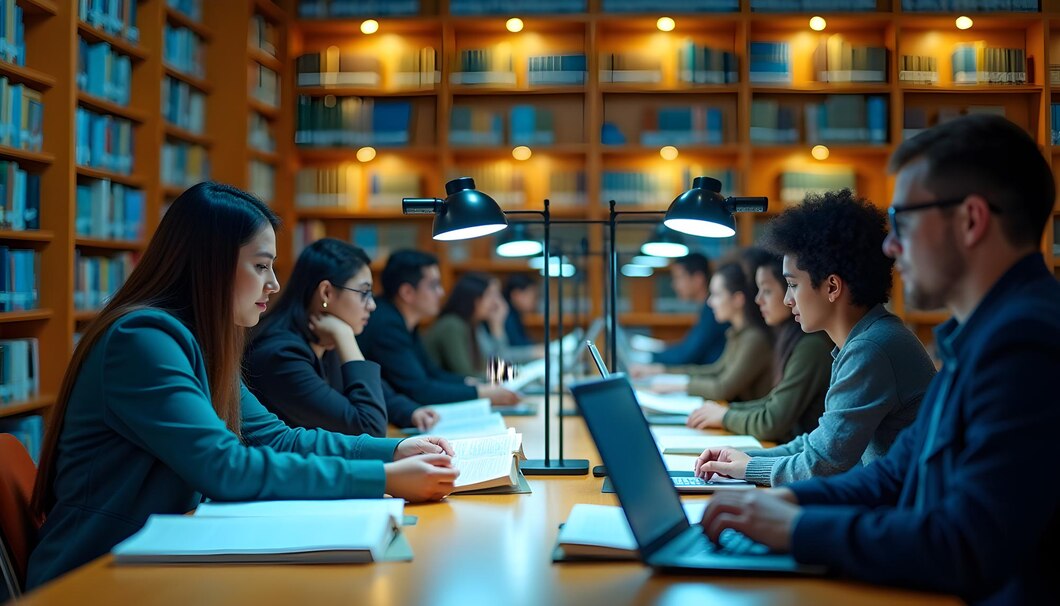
pixel 878 379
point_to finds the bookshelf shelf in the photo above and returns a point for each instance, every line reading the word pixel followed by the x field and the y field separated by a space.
pixel 402 26
pixel 190 80
pixel 125 47
pixel 31 235
pixel 465 90
pixel 28 158
pixel 264 156
pixel 101 244
pixel 99 173
pixel 269 111
pixel 346 91
pixel 85 315
pixel 39 7
pixel 179 19
pixel 505 152
pixel 187 136
pixel 32 78
pixel 824 88
pixel 644 150
pixel 338 154
pixel 109 107
pixel 269 10
pixel 991 21
pixel 860 149
pixel 1025 89
pixel 264 58
pixel 613 88
pixel 11 409
pixel 31 315
pixel 351 214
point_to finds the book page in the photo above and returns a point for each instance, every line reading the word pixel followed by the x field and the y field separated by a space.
pixel 697 444
pixel 503 444
pixel 671 404
pixel 462 411
pixel 483 469
pixel 330 507
pixel 490 425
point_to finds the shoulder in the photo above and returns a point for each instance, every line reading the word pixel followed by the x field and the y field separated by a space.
pixel 1027 320
pixel 755 337
pixel 889 338
pixel 147 335
pixel 151 323
pixel 275 339
pixel 450 324
pixel 814 345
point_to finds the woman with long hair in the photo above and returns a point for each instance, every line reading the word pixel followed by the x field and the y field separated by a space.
pixel 801 362
pixel 152 416
pixel 470 327
pixel 303 362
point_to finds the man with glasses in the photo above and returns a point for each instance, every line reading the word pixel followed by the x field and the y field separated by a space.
pixel 960 503
pixel 412 294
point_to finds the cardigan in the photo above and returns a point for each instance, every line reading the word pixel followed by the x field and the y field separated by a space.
pixel 743 372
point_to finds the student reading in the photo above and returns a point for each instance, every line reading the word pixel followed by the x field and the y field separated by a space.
pixel 303 362
pixel 960 504
pixel 152 415
pixel 470 329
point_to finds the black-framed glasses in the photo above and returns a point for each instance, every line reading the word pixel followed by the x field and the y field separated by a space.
pixel 894 211
pixel 366 295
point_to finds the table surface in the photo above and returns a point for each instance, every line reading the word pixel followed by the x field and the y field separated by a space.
pixel 469 550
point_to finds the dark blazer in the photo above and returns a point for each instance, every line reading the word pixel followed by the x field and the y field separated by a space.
pixel 283 371
pixel 964 502
pixel 405 364
pixel 702 345
pixel 399 407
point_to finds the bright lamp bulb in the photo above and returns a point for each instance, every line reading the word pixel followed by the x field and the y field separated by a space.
pixel 366 154
pixel 519 248
pixel 514 25
pixel 963 22
pixel 636 271
pixel 670 250
pixel 649 261
pixel 369 26
pixel 820 152
pixel 818 24
pixel 665 24
pixel 470 232
pixel 702 229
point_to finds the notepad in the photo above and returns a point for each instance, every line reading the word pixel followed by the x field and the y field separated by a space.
pixel 488 462
pixel 334 507
pixel 170 539
pixel 602 532
pixel 680 444
pixel 668 404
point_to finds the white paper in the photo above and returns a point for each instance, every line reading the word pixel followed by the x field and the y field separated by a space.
pixel 606 525
pixel 669 404
pixel 670 380
pixel 334 507
pixel 460 411
pixel 488 446
pixel 489 425
pixel 697 444
pixel 482 469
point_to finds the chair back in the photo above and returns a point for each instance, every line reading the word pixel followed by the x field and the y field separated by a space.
pixel 18 525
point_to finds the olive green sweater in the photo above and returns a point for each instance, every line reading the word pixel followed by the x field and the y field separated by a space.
pixel 743 372
pixel 794 404
pixel 448 342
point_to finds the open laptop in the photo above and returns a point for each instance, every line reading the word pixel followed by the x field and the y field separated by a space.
pixel 654 419
pixel 652 506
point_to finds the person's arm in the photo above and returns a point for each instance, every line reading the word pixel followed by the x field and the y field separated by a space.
pixel 990 513
pixel 399 407
pixel 405 367
pixel 742 367
pixel 863 393
pixel 773 417
pixel 704 336
pixel 792 447
pixel 154 399
pixel 285 376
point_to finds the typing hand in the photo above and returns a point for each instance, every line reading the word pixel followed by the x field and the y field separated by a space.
pixel 764 518
pixel 707 416
pixel 498 395
pixel 423 445
pixel 724 461
pixel 424 418
pixel 426 477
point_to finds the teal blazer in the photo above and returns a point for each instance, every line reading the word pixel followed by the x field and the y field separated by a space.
pixel 141 437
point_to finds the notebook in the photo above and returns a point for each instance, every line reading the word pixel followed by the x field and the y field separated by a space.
pixel 601 532
pixel 488 462
pixel 695 445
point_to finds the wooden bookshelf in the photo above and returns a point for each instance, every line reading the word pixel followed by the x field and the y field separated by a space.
pixel 35 405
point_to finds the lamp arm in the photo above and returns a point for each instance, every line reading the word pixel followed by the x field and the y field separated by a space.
pixel 743 204
pixel 422 206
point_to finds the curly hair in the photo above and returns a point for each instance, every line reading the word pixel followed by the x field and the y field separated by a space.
pixel 837 233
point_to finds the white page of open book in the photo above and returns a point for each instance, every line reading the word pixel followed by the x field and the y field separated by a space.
pixel 331 507
pixel 488 446
pixel 482 469
pixel 606 525
pixel 460 411
pixel 489 425
pixel 697 444
pixel 671 404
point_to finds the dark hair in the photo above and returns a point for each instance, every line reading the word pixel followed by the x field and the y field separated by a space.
pixel 837 233
pixel 695 263
pixel 404 267
pixel 326 259
pixel 990 156
pixel 518 282
pixel 194 282
pixel 735 279
pixel 467 291
pixel 787 334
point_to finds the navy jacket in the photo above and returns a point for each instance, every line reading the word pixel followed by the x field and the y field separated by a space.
pixel 285 374
pixel 964 502
pixel 702 345
pixel 514 328
pixel 405 364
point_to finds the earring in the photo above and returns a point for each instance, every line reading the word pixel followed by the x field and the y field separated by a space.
pixel 325 304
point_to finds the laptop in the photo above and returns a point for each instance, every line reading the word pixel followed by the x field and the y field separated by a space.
pixel 654 419
pixel 665 538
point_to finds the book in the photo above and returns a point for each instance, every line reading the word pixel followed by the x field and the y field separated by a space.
pixel 472 427
pixel 330 507
pixel 601 532
pixel 668 404
pixel 488 461
pixel 172 539
pixel 696 444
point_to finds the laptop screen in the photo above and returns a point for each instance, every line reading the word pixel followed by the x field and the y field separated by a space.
pixel 595 353
pixel 633 462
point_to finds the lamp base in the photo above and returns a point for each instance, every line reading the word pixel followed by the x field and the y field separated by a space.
pixel 554 467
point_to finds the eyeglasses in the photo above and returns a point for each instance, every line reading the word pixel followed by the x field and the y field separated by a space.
pixel 366 295
pixel 894 211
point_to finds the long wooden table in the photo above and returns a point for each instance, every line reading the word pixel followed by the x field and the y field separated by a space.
pixel 469 551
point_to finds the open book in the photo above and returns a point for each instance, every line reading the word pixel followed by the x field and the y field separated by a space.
pixel 488 462
pixel 332 507
pixel 602 532
pixel 174 539
pixel 490 424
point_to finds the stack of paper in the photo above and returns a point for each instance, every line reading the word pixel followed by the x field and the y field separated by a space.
pixel 601 531
pixel 488 462
pixel 668 404
pixel 695 445
pixel 334 507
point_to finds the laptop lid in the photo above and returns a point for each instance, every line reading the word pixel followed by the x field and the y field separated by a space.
pixel 642 484
pixel 599 361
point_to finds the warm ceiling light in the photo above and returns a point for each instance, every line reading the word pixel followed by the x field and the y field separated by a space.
pixel 818 24
pixel 369 26
pixel 963 22
pixel 665 24
pixel 521 153
pixel 668 152
pixel 366 154
pixel 514 25
pixel 819 152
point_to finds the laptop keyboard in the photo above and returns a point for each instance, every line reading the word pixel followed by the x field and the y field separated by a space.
pixel 732 542
pixel 689 481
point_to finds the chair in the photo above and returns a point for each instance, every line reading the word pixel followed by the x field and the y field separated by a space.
pixel 18 524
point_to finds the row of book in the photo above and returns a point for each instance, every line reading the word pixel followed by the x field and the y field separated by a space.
pixel 264 84
pixel 19 273
pixel 259 133
pixel 505 182
pixel 642 187
pixel 689 6
pixel 21 116
pixel 263 35
pixel 839 119
pixel 28 429
pixel 705 65
pixel 1054 123
pixel 344 185
pixel 691 125
pixel 492 66
pixel 183 106
pixel 630 67
pixel 12 33
pixel 770 62
pixel 969 5
pixel 380 239
pixel 917 119
pixel 104 141
pixel 794 6
pixel 347 67
pixel 323 9
pixel 918 69
pixel 116 17
pixel 796 185
pixel 184 164
pixel 19 370
pixel 184 51
pixel 191 8
pixel 569 68
pixel 262 179
pixel 97 278
pixel 836 60
pixel 104 73
pixel 19 198
pixel 109 211
pixel 476 125
pixel 976 63
pixel 498 7
pixel 351 121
